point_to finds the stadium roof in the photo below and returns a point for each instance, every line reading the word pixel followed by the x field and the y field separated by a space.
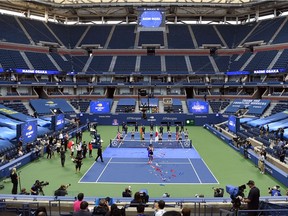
pixel 127 10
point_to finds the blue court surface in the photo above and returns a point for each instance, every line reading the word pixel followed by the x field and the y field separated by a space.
pixel 130 165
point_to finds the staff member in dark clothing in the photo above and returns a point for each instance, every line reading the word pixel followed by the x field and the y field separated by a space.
pixel 62 156
pixel 14 180
pixel 253 198
pixel 136 127
pixel 78 162
pixel 99 154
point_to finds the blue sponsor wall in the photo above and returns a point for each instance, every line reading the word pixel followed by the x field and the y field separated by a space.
pixel 233 124
pixel 157 119
pixel 58 122
pixel 27 131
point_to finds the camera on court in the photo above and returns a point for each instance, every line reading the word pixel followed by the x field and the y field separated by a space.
pixel 166 195
pixel 42 183
pixel 144 196
pixel 218 192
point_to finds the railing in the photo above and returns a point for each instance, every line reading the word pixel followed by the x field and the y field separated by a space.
pixel 199 206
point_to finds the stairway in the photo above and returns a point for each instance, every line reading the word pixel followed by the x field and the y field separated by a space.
pixel 184 106
pixel 113 108
pixel 270 108
pixel 29 108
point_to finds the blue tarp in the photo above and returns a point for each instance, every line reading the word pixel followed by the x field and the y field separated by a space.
pixel 269 119
pixel 4 144
pixel 44 123
pixel 44 106
pixel 7 133
pixel 14 114
pixel 8 122
pixel 245 120
pixel 279 124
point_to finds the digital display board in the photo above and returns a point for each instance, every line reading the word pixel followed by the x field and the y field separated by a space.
pixel 100 107
pixel 270 71
pixel 197 106
pixel 58 122
pixel 233 123
pixel 234 73
pixel 27 131
pixel 151 18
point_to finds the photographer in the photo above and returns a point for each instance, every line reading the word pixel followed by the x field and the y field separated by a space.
pixel 62 190
pixel 127 192
pixel 218 192
pixel 274 191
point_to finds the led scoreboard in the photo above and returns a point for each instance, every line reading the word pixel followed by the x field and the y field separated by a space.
pixel 151 19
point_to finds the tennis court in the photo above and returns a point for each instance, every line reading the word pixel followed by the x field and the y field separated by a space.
pixel 175 162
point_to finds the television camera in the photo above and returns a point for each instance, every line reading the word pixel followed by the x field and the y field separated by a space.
pixel 39 186
pixel 218 192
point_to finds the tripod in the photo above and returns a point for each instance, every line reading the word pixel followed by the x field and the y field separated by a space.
pixel 19 181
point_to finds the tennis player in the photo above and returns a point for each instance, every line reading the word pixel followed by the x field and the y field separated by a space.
pixel 150 150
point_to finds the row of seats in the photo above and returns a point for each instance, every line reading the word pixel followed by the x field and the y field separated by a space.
pixel 229 36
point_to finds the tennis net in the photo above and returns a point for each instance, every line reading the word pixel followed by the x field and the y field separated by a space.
pixel 116 143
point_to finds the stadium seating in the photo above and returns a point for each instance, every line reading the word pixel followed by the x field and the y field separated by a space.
pixel 265 30
pixel 37 30
pixel 97 35
pixel 177 31
pixel 13 32
pixel 218 106
pixel 147 37
pixel 12 59
pixel 126 105
pixel 123 37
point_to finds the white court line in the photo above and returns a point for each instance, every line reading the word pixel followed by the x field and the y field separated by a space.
pixel 146 163
pixel 103 170
pixel 86 172
pixel 195 171
pixel 146 183
pixel 210 171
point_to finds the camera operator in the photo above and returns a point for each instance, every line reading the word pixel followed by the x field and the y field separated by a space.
pixel 62 190
pixel 274 191
pixel 37 187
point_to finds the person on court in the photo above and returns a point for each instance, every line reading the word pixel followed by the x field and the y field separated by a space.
pixel 150 150
pixel 132 134
pixel 99 154
pixel 169 135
